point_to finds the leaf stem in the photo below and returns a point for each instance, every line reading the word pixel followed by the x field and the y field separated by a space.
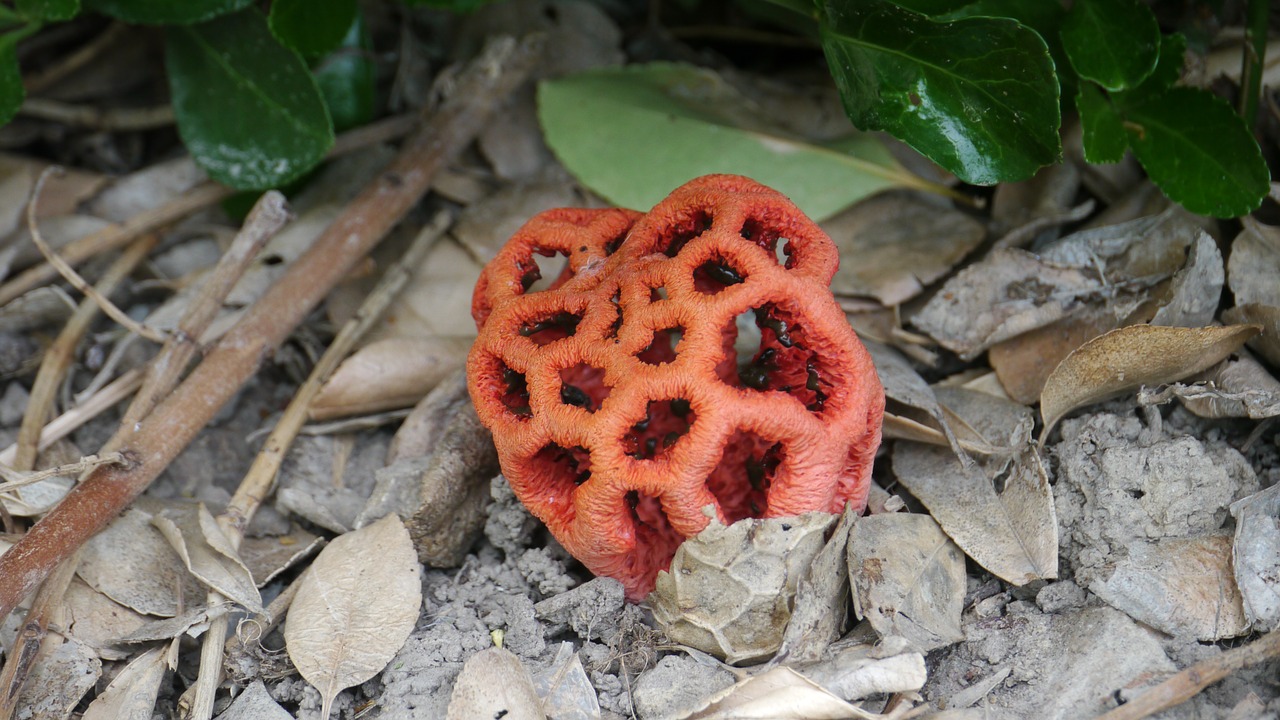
pixel 1254 60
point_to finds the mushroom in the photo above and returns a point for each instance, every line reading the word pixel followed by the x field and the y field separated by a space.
pixel 616 396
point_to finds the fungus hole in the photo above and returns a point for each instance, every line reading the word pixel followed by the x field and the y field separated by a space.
pixel 780 359
pixel 546 269
pixel 562 469
pixel 611 246
pixel 663 424
pixel 549 328
pixel 616 326
pixel 681 232
pixel 583 385
pixel 657 293
pixel 746 471
pixel 715 275
pixel 662 349
pixel 515 396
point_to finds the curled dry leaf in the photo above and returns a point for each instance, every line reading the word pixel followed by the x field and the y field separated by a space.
pixel 1254 264
pixel 1023 363
pixel 859 671
pixel 1256 557
pixel 255 703
pixel 778 694
pixel 1267 343
pixel 494 684
pixel 207 553
pixel 355 607
pixel 564 690
pixel 908 579
pixel 903 241
pixel 729 590
pixel 1239 388
pixel 1196 289
pixel 1129 357
pixel 1180 586
pixel 1005 294
pixel 822 597
pixel 132 563
pixel 388 374
pixel 132 693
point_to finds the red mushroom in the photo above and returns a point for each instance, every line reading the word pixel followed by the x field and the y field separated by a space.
pixel 616 397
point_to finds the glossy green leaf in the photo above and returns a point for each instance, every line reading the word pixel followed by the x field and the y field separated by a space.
pixel 11 91
pixel 1103 128
pixel 978 96
pixel 1198 151
pixel 1114 43
pixel 247 107
pixel 346 79
pixel 1168 71
pixel 48 9
pixel 1043 16
pixel 312 27
pixel 634 134
pixel 166 12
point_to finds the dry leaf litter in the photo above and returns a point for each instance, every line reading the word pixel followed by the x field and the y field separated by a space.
pixel 1013 564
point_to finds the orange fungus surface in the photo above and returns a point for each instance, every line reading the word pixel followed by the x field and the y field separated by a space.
pixel 689 357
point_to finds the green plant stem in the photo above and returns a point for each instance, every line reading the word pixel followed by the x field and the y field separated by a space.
pixel 1254 60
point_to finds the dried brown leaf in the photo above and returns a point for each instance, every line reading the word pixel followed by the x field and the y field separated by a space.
pixel 1023 363
pixel 1181 586
pixel 1013 534
pixel 1268 316
pixel 1196 289
pixel 1256 557
pixel 1129 357
pixel 355 607
pixel 494 684
pixel 908 579
pixel 207 553
pixel 132 693
pixel 132 563
pixel 903 241
pixel 387 374
pixel 1254 264
pixel 1239 388
pixel 778 694
pixel 821 598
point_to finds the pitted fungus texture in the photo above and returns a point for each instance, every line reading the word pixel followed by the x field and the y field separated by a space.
pixel 618 402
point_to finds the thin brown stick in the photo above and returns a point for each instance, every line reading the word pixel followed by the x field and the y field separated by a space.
pixel 57 359
pixel 117 236
pixel 36 82
pixel 238 355
pixel 27 646
pixel 194 200
pixel 1187 684
pixel 96 118
pixel 261 475
pixel 69 274
pixel 266 218
pixel 71 420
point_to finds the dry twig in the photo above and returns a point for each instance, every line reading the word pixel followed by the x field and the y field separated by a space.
pixel 1187 684
pixel 153 444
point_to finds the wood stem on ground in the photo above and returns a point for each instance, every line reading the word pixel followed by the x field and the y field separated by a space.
pixel 159 438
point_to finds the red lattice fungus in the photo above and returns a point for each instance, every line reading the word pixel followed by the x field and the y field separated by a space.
pixel 617 400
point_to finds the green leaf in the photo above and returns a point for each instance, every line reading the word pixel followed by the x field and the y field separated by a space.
pixel 312 27
pixel 247 108
pixel 1168 71
pixel 48 9
pixel 1043 16
pixel 166 12
pixel 634 134
pixel 1198 151
pixel 977 96
pixel 1103 128
pixel 346 79
pixel 11 91
pixel 1114 43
